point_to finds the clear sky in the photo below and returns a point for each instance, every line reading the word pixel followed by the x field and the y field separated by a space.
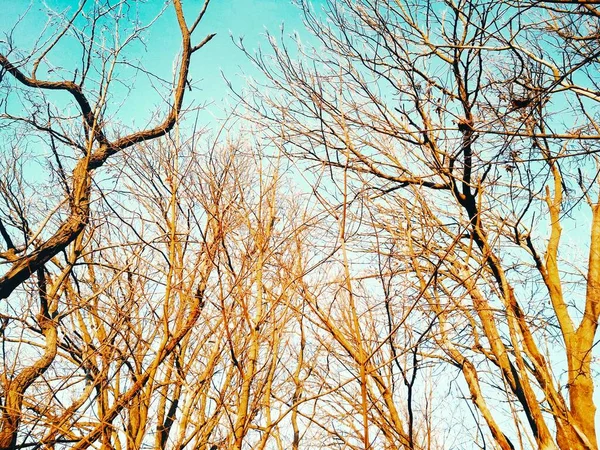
pixel 228 18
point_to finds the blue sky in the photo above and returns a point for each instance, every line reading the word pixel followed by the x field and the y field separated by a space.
pixel 228 18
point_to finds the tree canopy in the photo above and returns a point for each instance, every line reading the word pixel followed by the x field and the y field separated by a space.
pixel 392 241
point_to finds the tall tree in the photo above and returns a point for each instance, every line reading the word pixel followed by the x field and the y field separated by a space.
pixel 470 128
pixel 43 241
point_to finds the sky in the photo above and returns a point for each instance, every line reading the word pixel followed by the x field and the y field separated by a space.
pixel 219 59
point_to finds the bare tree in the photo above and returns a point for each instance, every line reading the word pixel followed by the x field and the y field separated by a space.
pixel 162 289
pixel 471 130
pixel 44 243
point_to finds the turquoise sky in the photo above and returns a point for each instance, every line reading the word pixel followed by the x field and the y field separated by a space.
pixel 228 18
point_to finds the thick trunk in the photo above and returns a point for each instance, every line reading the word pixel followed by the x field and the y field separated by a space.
pixel 581 399
pixel 15 389
pixel 68 231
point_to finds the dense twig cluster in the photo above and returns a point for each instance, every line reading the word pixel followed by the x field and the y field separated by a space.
pixel 165 289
